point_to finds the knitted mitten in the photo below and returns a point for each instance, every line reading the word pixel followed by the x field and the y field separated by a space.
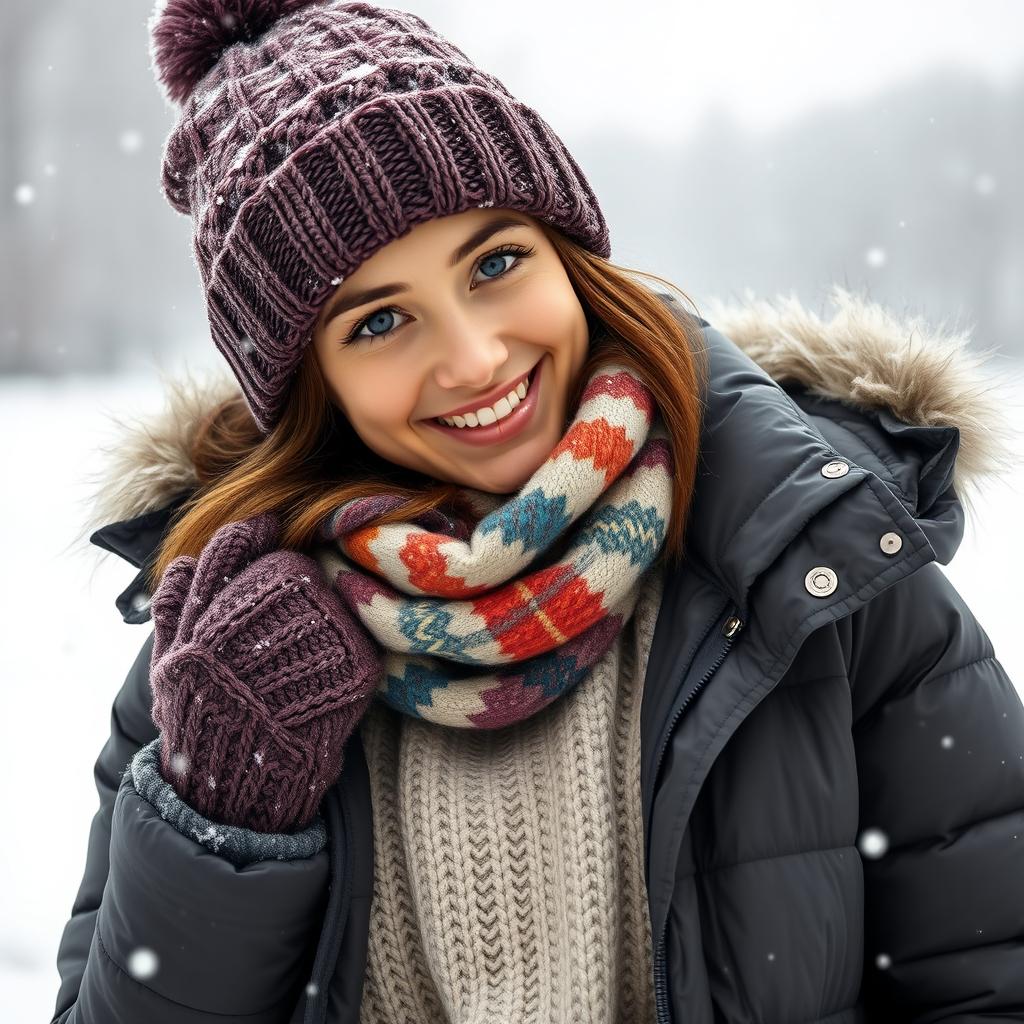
pixel 259 674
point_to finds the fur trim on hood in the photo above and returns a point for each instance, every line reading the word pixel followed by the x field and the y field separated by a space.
pixel 864 356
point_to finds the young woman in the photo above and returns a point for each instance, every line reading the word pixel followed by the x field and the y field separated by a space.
pixel 525 647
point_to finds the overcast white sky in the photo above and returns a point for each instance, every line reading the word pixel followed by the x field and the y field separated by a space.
pixel 664 63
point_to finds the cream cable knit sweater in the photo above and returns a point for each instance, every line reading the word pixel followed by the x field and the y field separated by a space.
pixel 508 876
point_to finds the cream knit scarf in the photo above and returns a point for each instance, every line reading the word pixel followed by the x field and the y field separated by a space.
pixel 478 632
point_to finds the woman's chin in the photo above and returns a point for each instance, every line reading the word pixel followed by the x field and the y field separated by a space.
pixel 493 484
pixel 510 472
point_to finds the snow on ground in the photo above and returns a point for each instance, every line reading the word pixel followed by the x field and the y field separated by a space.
pixel 65 650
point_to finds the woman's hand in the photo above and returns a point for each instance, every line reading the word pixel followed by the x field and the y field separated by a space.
pixel 259 675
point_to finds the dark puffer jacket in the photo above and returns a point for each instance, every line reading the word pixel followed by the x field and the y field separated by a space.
pixel 832 755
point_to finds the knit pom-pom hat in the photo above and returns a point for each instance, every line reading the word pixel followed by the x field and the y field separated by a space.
pixel 310 135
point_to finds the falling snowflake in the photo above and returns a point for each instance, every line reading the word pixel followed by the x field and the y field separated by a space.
pixel 312 989
pixel 24 194
pixel 179 764
pixel 873 843
pixel 143 963
pixel 883 961
pixel 947 742
pixel 875 257
pixel 130 142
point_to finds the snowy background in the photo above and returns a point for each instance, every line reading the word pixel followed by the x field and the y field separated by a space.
pixel 776 148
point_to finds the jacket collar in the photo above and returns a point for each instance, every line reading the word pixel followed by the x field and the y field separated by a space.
pixel 776 373
pixel 789 394
pixel 767 469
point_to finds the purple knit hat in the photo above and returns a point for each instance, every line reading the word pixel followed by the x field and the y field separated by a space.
pixel 312 134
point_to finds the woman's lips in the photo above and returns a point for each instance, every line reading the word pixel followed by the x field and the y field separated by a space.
pixel 503 430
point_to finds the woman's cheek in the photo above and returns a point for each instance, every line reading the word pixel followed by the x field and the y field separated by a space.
pixel 552 313
pixel 383 403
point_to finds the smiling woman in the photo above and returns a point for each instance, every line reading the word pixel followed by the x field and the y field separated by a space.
pixel 436 722
pixel 484 300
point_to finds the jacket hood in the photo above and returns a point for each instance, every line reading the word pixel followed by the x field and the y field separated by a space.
pixel 873 361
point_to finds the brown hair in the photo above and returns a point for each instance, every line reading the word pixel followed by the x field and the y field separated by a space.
pixel 313 461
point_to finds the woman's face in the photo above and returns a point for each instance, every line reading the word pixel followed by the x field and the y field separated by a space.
pixel 471 308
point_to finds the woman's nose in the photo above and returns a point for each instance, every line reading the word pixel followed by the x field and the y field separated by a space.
pixel 471 357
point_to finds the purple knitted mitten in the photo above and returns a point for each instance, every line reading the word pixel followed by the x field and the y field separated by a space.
pixel 259 675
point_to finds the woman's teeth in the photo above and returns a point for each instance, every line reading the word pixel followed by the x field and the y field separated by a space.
pixel 489 413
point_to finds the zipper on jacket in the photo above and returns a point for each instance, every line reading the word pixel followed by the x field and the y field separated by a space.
pixel 720 641
pixel 337 908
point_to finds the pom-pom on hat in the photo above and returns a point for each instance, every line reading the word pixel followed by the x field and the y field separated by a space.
pixel 314 132
pixel 189 36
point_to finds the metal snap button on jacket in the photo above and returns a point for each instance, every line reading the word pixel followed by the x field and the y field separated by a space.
pixel 890 543
pixel 821 581
pixel 835 468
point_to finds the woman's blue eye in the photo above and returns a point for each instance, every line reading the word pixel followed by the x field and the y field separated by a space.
pixel 376 318
pixel 497 261
pixel 385 316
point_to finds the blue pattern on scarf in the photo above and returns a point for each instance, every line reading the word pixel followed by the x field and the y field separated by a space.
pixel 425 625
pixel 634 529
pixel 535 519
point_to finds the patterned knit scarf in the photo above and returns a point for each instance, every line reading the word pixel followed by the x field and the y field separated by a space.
pixel 482 629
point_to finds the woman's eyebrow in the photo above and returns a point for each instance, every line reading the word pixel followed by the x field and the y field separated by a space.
pixel 383 291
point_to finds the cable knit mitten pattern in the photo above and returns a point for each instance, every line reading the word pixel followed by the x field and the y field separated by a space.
pixel 259 675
